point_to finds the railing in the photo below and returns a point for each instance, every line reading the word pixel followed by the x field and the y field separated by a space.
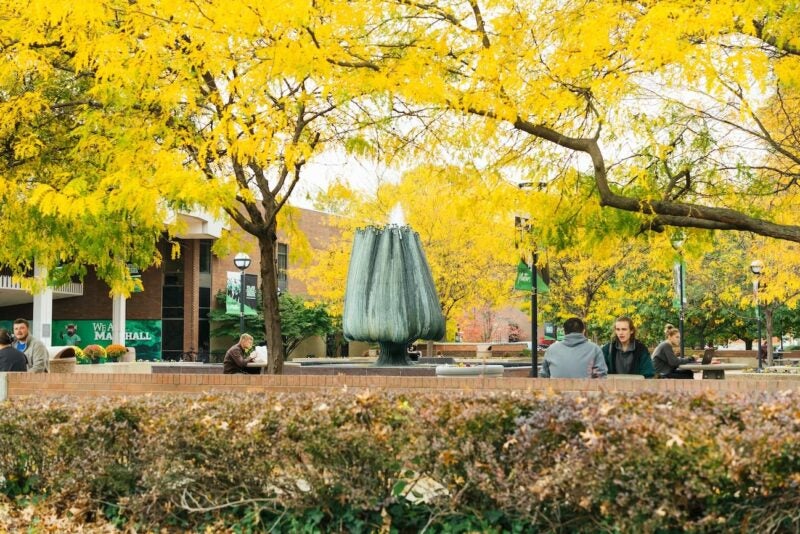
pixel 71 288
pixel 7 283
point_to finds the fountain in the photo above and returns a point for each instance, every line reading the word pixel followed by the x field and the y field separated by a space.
pixel 390 297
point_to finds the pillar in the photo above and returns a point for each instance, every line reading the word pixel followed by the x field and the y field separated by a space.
pixel 42 327
pixel 118 320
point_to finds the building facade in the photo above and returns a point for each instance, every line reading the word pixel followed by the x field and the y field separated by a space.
pixel 170 316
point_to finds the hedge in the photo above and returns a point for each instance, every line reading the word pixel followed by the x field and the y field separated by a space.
pixel 407 463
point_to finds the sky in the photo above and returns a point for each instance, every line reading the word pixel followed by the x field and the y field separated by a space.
pixel 358 173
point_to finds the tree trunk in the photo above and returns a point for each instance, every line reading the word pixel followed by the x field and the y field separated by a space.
pixel 269 295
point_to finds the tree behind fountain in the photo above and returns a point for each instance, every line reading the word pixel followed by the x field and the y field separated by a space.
pixel 390 297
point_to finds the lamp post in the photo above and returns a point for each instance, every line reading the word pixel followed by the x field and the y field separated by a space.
pixel 523 225
pixel 534 291
pixel 242 262
pixel 677 244
pixel 534 318
pixel 756 268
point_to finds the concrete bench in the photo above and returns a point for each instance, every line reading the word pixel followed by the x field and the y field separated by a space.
pixel 714 371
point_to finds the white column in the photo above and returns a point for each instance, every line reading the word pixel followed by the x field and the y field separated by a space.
pixel 118 320
pixel 43 309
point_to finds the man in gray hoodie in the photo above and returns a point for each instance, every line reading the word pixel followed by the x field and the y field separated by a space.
pixel 574 356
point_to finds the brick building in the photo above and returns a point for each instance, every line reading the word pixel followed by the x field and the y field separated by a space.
pixel 170 316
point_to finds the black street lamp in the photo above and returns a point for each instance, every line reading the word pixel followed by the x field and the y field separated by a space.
pixel 242 262
pixel 534 290
pixel 677 243
pixel 756 268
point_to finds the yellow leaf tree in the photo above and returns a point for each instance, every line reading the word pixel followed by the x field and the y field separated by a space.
pixel 173 104
pixel 658 101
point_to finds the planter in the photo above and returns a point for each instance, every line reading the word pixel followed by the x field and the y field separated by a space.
pixel 474 370
pixel 130 355
pixel 63 365
pixel 62 359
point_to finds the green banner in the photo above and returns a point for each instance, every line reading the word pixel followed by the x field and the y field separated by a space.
pixel 524 277
pixel 143 335
pixel 233 294
pixel 679 283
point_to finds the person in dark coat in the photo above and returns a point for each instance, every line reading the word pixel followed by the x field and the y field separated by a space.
pixel 625 355
pixel 236 359
pixel 11 359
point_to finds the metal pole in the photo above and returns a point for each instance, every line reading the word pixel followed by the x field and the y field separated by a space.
pixel 758 320
pixel 241 304
pixel 680 282
pixel 534 322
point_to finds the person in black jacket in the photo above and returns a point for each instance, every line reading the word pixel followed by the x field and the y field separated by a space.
pixel 11 359
pixel 664 359
pixel 624 354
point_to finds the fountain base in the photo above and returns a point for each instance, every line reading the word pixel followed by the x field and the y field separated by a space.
pixel 393 354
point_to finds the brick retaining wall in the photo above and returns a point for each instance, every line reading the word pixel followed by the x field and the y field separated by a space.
pixel 22 384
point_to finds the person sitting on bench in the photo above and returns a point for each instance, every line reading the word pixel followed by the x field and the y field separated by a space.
pixel 664 359
pixel 414 353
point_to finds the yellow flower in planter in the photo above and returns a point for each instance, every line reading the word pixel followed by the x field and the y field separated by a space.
pixel 115 351
pixel 80 357
pixel 95 353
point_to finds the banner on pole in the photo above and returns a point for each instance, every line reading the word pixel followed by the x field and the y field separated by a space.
pixel 233 292
pixel 679 283
pixel 525 277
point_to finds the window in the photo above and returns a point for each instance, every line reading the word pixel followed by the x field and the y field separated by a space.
pixel 205 256
pixel 172 307
pixel 283 264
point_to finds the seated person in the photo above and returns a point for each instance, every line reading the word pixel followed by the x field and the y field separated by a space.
pixel 626 355
pixel 11 359
pixel 413 352
pixel 664 359
pixel 574 356
pixel 236 358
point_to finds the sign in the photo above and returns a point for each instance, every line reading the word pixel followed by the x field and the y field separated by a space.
pixel 250 298
pixel 233 293
pixel 136 275
pixel 550 330
pixel 143 335
pixel 524 277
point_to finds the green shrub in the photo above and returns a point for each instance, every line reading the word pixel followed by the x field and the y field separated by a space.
pixel 445 463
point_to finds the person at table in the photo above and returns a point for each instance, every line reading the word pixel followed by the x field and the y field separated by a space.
pixel 625 355
pixel 35 350
pixel 11 359
pixel 414 353
pixel 665 361
pixel 236 359
pixel 574 356
pixel 762 351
